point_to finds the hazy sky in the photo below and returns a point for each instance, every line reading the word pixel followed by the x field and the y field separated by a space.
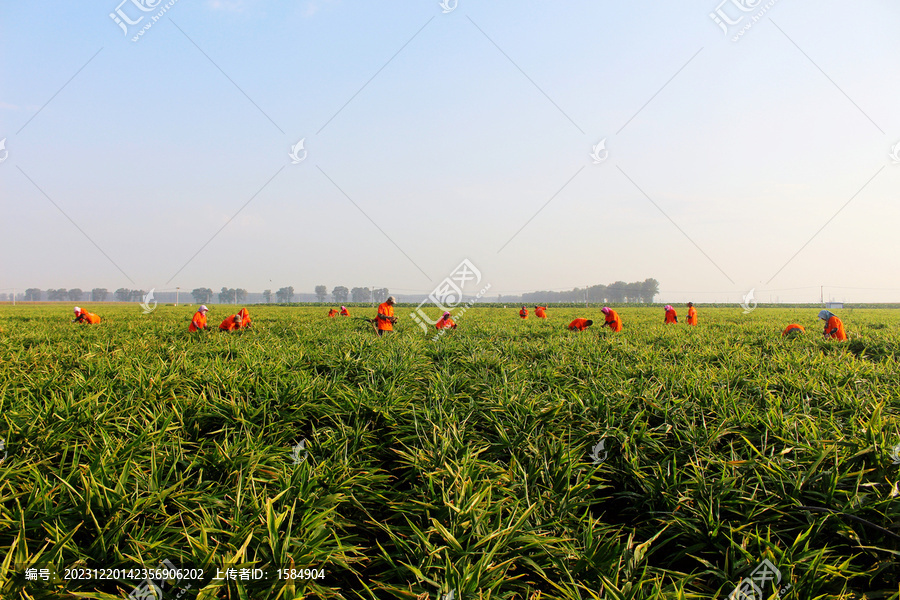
pixel 433 136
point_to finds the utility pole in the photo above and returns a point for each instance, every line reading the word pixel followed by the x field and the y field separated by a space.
pixel 176 295
pixel 822 294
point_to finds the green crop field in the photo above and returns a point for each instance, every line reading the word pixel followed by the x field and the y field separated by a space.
pixel 466 467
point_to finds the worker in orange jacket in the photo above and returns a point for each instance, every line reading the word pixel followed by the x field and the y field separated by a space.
pixel 84 317
pixel 834 328
pixel 523 313
pixel 792 330
pixel 540 312
pixel 580 324
pixel 692 314
pixel 199 320
pixel 385 319
pixel 445 322
pixel 671 317
pixel 613 320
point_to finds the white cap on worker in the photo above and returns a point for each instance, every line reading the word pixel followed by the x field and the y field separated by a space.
pixel 391 299
pixel 77 310
pixel 203 308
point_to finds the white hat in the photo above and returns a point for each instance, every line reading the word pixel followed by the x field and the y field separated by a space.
pixel 203 308
pixel 77 310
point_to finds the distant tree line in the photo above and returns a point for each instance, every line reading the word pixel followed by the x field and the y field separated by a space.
pixel 618 292
pixel 73 295
pixel 341 293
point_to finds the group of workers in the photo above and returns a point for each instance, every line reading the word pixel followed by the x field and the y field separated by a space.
pixel 385 320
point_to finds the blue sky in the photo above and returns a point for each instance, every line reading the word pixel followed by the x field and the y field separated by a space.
pixel 434 137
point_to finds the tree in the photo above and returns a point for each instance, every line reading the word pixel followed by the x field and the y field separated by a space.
pixel 202 295
pixel 634 291
pixel 32 295
pixel 321 293
pixel 267 296
pixel 359 294
pixel 649 289
pixel 240 295
pixel 227 295
pixel 56 295
pixel 616 291
pixel 340 294
pixel 99 294
pixel 137 295
pixel 75 295
pixel 122 294
pixel 380 295
pixel 285 295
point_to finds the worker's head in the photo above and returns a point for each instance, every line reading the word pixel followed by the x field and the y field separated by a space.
pixel 203 309
pixel 825 314
pixel 446 314
pixel 77 310
pixel 237 318
pixel 343 308
pixel 668 307
pixel 605 310
pixel 690 304
pixel 589 323
pixel 391 300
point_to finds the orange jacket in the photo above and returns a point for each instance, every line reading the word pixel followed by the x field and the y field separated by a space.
pixel 692 316
pixel 579 324
pixel 671 317
pixel 229 324
pixel 834 329
pixel 245 318
pixel 87 318
pixel 793 327
pixel 345 313
pixel 332 313
pixel 523 313
pixel 198 322
pixel 388 311
pixel 614 321
pixel 445 323
pixel 540 312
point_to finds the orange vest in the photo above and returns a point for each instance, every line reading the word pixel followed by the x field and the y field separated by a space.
pixel 579 324
pixel 387 310
pixel 834 329
pixel 614 321
pixel 198 322
pixel 692 316
pixel 345 313
pixel 671 317
pixel 793 327
pixel 445 323
pixel 88 318
pixel 540 312
pixel 245 318
pixel 523 313
pixel 332 312
pixel 228 324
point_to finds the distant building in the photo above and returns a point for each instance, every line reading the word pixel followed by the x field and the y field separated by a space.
pixel 834 305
